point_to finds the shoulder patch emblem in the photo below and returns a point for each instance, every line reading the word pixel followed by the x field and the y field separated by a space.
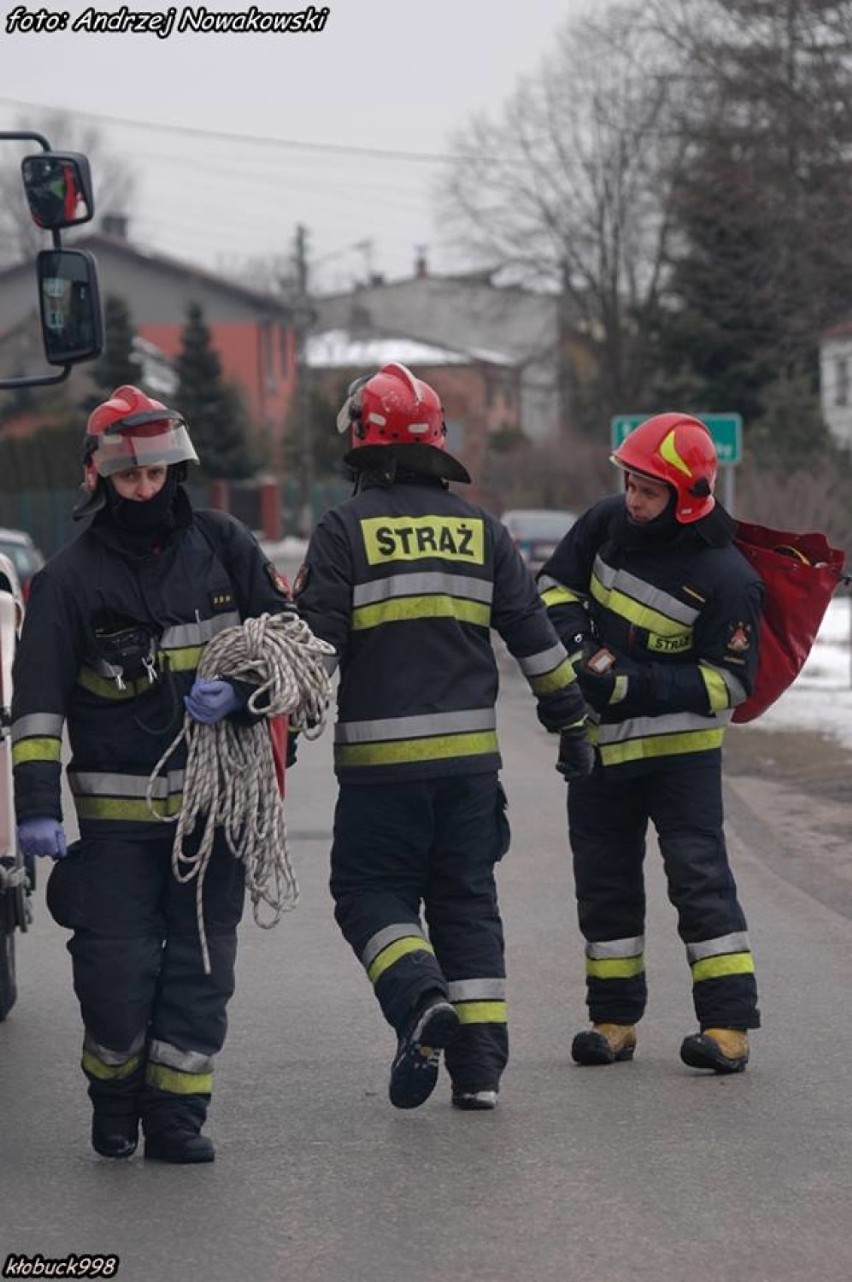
pixel 301 580
pixel 278 581
pixel 740 638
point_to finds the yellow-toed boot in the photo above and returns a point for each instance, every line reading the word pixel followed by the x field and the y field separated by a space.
pixel 723 1050
pixel 604 1044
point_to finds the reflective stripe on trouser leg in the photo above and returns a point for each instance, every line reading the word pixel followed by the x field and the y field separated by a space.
pixel 465 925
pixel 686 808
pixel 379 867
pixel 607 826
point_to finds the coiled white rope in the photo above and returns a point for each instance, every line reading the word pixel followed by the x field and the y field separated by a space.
pixel 230 778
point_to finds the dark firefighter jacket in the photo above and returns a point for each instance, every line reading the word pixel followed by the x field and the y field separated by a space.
pixel 681 615
pixel 406 583
pixel 110 644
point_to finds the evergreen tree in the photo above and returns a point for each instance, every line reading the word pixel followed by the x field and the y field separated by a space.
pixel 118 364
pixel 212 409
pixel 761 211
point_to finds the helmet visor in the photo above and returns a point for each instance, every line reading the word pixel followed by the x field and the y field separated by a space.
pixel 155 444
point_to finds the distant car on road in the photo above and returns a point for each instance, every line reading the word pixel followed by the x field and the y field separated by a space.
pixel 24 555
pixel 537 531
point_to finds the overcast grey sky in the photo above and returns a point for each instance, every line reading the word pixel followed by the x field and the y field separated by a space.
pixel 382 74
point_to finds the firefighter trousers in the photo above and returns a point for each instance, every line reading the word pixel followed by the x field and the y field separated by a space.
pixel 430 843
pixel 153 1020
pixel 608 821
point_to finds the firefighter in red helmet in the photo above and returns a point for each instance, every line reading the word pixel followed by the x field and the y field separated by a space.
pixel 406 579
pixel 660 613
pixel 116 625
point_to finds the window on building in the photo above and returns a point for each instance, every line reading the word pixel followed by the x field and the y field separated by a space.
pixel 841 380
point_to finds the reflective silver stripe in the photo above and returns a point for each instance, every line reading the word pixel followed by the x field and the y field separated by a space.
pixel 644 592
pixel 610 948
pixel 477 990
pixel 544 581
pixel 183 1061
pixel 733 683
pixel 37 724
pixel 532 665
pixel 735 943
pixel 673 723
pixel 402 930
pixel 92 783
pixel 398 585
pixel 114 1058
pixel 415 727
pixel 186 634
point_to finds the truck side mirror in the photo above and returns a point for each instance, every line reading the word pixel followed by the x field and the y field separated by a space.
pixel 71 317
pixel 58 186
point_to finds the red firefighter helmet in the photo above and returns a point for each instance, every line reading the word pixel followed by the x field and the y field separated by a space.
pixel 677 449
pixel 131 429
pixel 392 411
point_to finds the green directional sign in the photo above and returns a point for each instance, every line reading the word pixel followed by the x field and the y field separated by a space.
pixel 726 430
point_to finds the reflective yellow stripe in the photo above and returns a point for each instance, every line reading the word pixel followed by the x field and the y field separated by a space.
pixel 185 659
pixel 717 691
pixel 109 1072
pixel 402 609
pixel 614 967
pixel 36 750
pixel 170 1079
pixel 435 749
pixel 481 1012
pixel 662 745
pixel 558 679
pixel 399 948
pixel 642 616
pixel 127 808
pixel 107 689
pixel 719 967
pixel 560 596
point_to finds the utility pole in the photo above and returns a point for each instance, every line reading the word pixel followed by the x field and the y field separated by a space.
pixel 302 319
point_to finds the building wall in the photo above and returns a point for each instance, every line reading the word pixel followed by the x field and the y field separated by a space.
pixel 259 357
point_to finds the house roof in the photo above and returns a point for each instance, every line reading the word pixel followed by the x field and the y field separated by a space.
pixel 148 258
pixel 343 349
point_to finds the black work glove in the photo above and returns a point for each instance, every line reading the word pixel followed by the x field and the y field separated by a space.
pixel 576 754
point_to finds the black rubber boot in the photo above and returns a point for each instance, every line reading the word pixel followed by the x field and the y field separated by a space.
pixel 114 1135
pixel 604 1044
pixel 722 1050
pixel 414 1071
pixel 179 1146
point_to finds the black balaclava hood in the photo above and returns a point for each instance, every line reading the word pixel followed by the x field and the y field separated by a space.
pixel 663 529
pixel 148 522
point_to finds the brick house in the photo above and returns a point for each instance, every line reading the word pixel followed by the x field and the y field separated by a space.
pixel 251 331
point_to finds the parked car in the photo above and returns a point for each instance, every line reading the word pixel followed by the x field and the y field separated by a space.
pixel 537 531
pixel 24 555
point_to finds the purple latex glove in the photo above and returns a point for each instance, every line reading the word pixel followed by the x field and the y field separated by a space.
pixel 210 701
pixel 42 836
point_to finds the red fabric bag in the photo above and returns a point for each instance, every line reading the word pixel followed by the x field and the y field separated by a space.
pixel 279 730
pixel 801 572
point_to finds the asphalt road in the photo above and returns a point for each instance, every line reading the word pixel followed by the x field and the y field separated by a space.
pixel 637 1171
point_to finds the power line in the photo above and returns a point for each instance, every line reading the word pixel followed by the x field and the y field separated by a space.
pixel 190 131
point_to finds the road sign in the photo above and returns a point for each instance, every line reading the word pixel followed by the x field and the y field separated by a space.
pixel 726 430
